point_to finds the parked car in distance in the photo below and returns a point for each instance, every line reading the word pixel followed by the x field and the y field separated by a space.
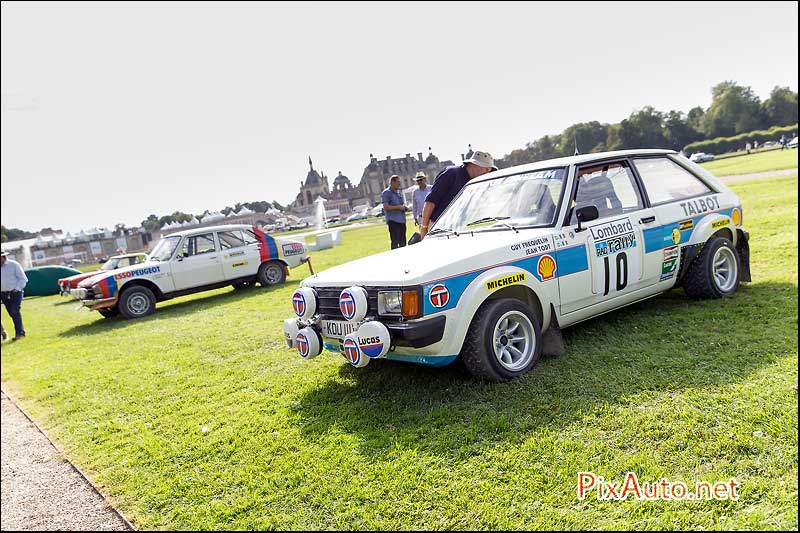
pixel 377 211
pixel 191 261
pixel 525 251
pixel 792 143
pixel 356 216
pixel 114 262
pixel 701 157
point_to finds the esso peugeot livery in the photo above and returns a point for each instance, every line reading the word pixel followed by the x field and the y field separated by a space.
pixel 192 261
pixel 525 251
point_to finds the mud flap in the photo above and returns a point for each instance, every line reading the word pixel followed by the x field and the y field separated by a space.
pixel 743 247
pixel 553 344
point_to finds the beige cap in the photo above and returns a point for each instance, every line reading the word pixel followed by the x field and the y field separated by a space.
pixel 420 175
pixel 481 159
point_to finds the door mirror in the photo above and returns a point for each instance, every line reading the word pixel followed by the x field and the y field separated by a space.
pixel 586 214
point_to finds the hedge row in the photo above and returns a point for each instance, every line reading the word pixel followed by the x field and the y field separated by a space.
pixel 737 142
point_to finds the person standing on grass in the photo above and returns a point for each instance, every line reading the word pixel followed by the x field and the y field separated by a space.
pixel 12 284
pixel 447 185
pixel 419 196
pixel 394 208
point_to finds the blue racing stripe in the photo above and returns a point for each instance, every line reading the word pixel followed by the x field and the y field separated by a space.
pixel 272 247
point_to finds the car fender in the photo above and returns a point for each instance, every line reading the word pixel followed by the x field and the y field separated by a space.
pixel 481 289
pixel 711 224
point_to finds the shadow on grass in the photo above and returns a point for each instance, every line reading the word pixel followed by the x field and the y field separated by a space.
pixel 170 308
pixel 665 343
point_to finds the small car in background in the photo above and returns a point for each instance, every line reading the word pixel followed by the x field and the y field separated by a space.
pixel 190 261
pixel 114 262
pixel 700 157
pixel 792 143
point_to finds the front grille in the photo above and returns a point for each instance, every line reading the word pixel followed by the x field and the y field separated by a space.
pixel 328 298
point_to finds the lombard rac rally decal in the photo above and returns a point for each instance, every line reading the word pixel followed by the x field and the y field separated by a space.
pixel 351 352
pixel 302 344
pixel 616 258
pixel 347 304
pixel 439 296
pixel 292 248
pixel 299 303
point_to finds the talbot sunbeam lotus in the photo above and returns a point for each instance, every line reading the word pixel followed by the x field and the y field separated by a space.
pixel 523 252
pixel 192 261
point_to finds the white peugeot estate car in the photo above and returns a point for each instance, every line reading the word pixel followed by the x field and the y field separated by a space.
pixel 191 261
pixel 525 251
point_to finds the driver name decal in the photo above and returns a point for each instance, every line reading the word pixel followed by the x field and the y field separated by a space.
pixel 533 247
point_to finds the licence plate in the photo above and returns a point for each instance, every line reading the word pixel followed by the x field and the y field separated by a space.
pixel 337 329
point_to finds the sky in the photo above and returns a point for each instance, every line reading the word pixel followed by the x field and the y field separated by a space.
pixel 114 111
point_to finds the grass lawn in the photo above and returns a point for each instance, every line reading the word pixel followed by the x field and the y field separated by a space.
pixel 759 162
pixel 667 388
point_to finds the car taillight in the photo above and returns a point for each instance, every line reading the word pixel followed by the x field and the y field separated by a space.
pixel 411 303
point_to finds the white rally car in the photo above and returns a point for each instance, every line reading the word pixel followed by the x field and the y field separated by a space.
pixel 191 261
pixel 525 251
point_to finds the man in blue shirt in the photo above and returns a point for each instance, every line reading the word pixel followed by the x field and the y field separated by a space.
pixel 12 283
pixel 395 210
pixel 449 183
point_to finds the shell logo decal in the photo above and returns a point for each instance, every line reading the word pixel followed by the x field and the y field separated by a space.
pixel 676 236
pixel 302 344
pixel 439 296
pixel 347 305
pixel 351 351
pixel 546 267
pixel 299 303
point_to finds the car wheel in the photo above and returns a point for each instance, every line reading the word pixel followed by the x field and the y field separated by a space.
pixel 504 341
pixel 271 273
pixel 137 302
pixel 715 272
pixel 109 312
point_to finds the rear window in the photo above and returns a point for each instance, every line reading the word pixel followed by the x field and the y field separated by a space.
pixel 666 181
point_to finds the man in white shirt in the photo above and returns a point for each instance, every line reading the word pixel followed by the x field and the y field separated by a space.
pixel 12 285
pixel 419 195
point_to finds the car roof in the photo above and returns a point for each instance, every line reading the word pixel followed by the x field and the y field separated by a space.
pixel 221 227
pixel 571 160
pixel 136 254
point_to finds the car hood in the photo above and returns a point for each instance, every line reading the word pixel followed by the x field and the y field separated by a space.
pixel 78 277
pixel 102 274
pixel 433 258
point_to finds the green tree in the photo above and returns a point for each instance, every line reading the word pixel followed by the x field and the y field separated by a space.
pixel 677 130
pixel 734 109
pixel 589 136
pixel 780 109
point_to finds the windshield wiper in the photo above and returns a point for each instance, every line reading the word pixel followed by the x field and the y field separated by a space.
pixel 443 230
pixel 492 219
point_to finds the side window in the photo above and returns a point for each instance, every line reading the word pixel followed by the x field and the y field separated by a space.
pixel 609 187
pixel 250 237
pixel 666 181
pixel 198 244
pixel 230 239
pixel 124 262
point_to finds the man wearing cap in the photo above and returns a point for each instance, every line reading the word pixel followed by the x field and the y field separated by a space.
pixel 448 183
pixel 12 283
pixel 394 208
pixel 419 195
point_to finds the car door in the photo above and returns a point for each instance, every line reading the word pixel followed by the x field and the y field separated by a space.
pixel 197 262
pixel 679 199
pixel 613 243
pixel 240 254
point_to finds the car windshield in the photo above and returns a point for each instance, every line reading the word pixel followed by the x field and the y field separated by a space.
pixel 111 264
pixel 506 203
pixel 163 250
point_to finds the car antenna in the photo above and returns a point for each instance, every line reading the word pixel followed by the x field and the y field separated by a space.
pixel 576 145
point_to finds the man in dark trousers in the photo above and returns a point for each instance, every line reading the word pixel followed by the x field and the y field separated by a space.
pixel 448 183
pixel 12 284
pixel 394 208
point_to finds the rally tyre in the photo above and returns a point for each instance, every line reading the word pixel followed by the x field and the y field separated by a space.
pixel 109 312
pixel 504 341
pixel 271 273
pixel 136 302
pixel 715 272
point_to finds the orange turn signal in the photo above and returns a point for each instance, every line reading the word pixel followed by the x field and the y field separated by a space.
pixel 410 303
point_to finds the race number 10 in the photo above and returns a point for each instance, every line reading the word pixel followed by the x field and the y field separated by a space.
pixel 620 272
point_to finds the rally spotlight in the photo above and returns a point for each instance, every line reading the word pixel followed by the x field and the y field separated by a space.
pixel 374 339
